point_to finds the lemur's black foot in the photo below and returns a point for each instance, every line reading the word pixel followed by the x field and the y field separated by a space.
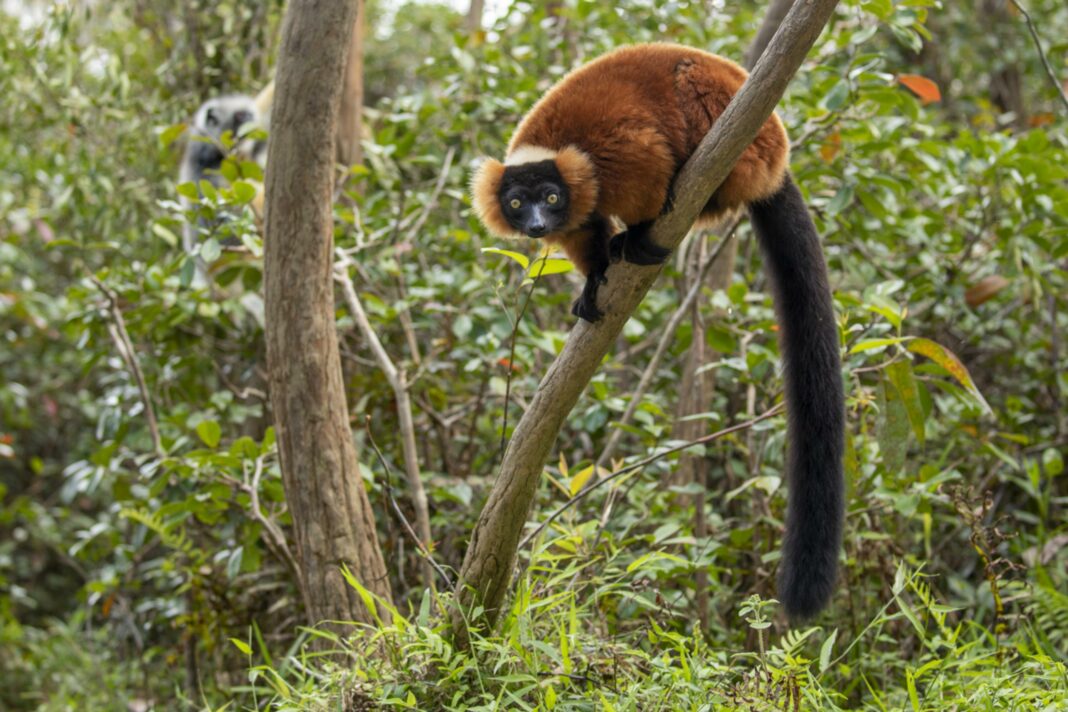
pixel 585 307
pixel 635 246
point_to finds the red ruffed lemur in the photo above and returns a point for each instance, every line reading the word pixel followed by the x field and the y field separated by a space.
pixel 604 145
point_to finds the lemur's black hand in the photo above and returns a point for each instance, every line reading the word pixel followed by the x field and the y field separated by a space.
pixel 585 307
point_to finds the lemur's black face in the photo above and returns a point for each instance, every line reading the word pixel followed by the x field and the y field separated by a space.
pixel 534 198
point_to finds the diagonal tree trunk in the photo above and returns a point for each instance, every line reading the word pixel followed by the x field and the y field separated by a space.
pixel 332 517
pixel 487 568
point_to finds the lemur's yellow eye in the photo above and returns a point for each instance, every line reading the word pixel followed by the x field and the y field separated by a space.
pixel 515 203
pixel 553 197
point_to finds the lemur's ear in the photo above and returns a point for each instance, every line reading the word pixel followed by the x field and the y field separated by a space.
pixel 485 187
pixel 578 172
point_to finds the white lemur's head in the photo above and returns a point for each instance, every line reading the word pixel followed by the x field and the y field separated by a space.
pixel 236 113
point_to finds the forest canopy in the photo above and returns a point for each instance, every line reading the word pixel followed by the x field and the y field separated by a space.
pixel 156 546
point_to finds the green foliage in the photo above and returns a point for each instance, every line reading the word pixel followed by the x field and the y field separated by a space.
pixel 143 567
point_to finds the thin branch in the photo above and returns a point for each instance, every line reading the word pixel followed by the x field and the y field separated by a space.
pixel 1041 54
pixel 511 359
pixel 432 202
pixel 121 337
pixel 667 336
pixel 275 539
pixel 410 235
pixel 427 557
pixel 648 461
pixel 398 382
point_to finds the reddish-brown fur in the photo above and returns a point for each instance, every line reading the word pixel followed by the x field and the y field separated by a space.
pixel 636 114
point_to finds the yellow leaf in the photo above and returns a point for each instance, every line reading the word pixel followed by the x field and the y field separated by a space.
pixel 580 479
pixel 949 361
pixel 242 646
pixel 830 147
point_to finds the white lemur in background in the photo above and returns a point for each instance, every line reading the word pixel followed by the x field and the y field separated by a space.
pixel 204 152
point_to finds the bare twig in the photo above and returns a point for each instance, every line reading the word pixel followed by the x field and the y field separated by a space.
pixel 427 557
pixel 432 202
pixel 410 235
pixel 511 359
pixel 121 337
pixel 398 382
pixel 1042 55
pixel 647 461
pixel 275 539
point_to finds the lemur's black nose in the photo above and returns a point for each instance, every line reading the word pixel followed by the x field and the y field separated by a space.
pixel 241 118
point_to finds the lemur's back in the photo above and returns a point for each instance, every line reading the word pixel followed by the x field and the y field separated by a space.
pixel 645 108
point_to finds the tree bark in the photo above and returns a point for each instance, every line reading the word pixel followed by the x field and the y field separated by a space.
pixel 350 118
pixel 474 17
pixel 772 20
pixel 487 568
pixel 332 518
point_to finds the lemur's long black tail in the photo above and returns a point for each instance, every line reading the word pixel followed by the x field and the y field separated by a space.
pixel 814 399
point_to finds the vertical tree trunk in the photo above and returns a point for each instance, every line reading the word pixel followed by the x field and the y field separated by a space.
pixel 350 127
pixel 332 517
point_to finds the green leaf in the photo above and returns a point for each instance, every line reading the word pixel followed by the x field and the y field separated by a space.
pixel 914 696
pixel 1052 461
pixel 242 646
pixel 210 250
pixel 886 308
pixel 549 265
pixel 170 134
pixel 892 428
pixel 209 432
pixel 189 268
pixel 837 97
pixel 188 190
pixel 462 326
pixel 251 170
pixel 841 199
pixel 244 192
pixel 208 190
pixel 869 344
pixel 901 376
pixel 826 649
pixel 523 260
